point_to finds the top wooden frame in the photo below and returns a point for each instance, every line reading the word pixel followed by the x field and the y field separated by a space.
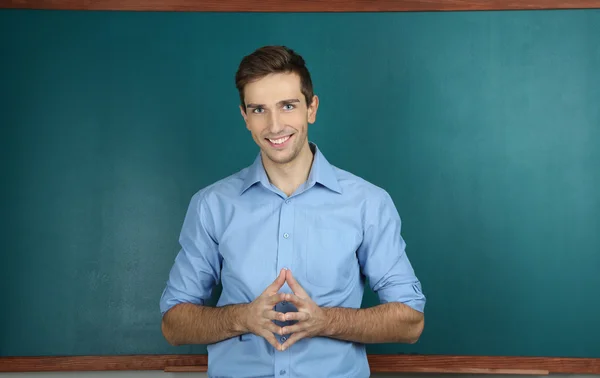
pixel 300 6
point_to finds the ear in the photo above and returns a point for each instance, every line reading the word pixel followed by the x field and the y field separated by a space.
pixel 312 109
pixel 244 115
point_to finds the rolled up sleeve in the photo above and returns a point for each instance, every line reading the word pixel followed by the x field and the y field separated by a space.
pixel 382 255
pixel 196 269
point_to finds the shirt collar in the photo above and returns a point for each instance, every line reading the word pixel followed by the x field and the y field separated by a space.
pixel 320 172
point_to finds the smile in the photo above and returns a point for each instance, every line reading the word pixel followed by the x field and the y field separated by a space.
pixel 280 142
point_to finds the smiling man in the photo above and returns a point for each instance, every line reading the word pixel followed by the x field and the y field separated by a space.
pixel 292 239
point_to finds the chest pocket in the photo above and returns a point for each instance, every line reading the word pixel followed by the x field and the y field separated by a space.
pixel 330 257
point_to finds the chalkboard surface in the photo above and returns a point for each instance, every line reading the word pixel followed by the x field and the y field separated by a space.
pixel 483 126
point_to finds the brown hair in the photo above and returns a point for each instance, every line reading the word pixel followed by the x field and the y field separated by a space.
pixel 273 59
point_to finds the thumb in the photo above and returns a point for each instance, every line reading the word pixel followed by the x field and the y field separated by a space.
pixel 278 283
pixel 294 285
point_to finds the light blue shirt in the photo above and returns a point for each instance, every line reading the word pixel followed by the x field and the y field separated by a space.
pixel 334 231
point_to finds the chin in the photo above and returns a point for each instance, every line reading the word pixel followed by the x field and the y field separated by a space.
pixel 281 158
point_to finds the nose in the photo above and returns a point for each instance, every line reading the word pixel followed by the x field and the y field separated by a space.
pixel 275 123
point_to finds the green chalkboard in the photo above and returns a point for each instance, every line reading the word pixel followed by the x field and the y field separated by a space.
pixel 483 126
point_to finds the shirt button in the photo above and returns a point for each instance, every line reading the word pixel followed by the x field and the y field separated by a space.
pixel 287 201
pixel 283 303
pixel 286 235
pixel 283 338
pixel 281 372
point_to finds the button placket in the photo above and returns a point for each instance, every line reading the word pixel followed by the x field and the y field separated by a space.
pixel 285 254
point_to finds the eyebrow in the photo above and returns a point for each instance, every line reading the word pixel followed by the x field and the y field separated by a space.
pixel 282 102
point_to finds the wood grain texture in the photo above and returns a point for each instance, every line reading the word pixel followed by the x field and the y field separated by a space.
pixel 449 364
pixel 99 363
pixel 481 371
pixel 186 369
pixel 299 6
pixel 378 363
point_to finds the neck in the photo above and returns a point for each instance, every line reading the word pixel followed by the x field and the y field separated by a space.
pixel 288 177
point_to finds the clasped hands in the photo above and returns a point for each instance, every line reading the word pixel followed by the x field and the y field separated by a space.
pixel 311 319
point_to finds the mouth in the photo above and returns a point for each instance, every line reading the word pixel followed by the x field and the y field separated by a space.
pixel 280 142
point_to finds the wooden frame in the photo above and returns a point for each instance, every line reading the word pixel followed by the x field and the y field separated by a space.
pixel 299 6
pixel 378 363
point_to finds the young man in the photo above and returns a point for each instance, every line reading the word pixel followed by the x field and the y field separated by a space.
pixel 291 238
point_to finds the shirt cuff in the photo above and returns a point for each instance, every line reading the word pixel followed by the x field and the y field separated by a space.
pixel 408 294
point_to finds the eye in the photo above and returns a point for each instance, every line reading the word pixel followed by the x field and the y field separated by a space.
pixel 288 106
pixel 258 110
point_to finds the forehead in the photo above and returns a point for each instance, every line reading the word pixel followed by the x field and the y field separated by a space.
pixel 273 88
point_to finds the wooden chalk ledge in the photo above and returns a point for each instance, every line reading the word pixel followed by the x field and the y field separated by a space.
pixel 380 363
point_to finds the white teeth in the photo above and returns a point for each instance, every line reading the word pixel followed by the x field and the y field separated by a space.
pixel 280 140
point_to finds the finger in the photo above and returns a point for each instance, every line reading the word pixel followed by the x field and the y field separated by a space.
pixel 292 340
pixel 296 328
pixel 275 298
pixel 295 300
pixel 294 285
pixel 299 316
pixel 274 328
pixel 271 339
pixel 277 284
pixel 274 315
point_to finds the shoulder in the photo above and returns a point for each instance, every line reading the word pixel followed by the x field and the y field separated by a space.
pixel 354 185
pixel 224 189
pixel 373 202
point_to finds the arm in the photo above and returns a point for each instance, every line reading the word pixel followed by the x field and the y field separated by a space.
pixel 383 259
pixel 192 278
pixel 384 323
pixel 187 323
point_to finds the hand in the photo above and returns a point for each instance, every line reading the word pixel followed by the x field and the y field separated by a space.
pixel 260 314
pixel 312 320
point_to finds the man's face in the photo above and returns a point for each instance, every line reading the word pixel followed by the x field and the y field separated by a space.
pixel 277 116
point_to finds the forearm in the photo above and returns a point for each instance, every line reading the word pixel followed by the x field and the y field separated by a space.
pixel 188 323
pixel 385 323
